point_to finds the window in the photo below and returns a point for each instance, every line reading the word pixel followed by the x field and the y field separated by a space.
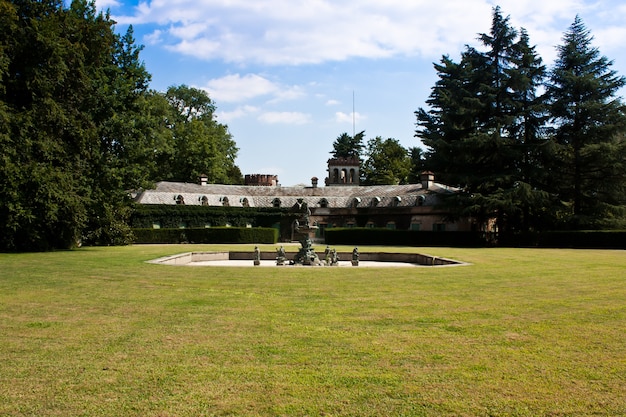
pixel 396 201
pixel 225 201
pixel 356 202
pixel 391 225
pixel 416 226
pixel 375 201
pixel 179 199
pixel 421 200
pixel 204 200
pixel 244 202
pixel 323 203
pixel 276 202
pixel 439 227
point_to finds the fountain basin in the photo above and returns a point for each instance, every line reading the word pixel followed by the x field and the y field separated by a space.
pixel 268 258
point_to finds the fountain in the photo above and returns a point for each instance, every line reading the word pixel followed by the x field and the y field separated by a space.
pixel 306 255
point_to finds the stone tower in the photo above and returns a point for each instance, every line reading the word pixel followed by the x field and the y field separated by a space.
pixel 343 171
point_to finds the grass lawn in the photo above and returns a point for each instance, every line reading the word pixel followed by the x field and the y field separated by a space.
pixel 520 332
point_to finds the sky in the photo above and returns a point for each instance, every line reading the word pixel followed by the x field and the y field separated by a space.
pixel 289 76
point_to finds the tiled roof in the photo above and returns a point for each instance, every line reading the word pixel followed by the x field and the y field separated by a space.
pixel 259 196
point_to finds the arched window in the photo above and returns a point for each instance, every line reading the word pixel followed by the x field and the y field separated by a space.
pixel 356 201
pixel 421 200
pixel 323 203
pixel 225 201
pixel 335 175
pixel 396 201
pixel 276 202
pixel 179 199
pixel 375 201
pixel 352 176
pixel 244 202
pixel 204 200
pixel 344 175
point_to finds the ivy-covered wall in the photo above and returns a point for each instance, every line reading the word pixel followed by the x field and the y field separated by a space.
pixel 175 216
pixel 147 216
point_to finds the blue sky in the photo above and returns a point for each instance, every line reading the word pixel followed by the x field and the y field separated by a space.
pixel 283 73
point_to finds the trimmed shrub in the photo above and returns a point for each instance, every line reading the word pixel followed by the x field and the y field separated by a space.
pixel 207 235
pixel 392 237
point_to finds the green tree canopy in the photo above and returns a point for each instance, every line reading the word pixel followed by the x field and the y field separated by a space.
pixel 387 162
pixel 484 125
pixel 346 146
pixel 79 127
pixel 199 144
pixel 589 165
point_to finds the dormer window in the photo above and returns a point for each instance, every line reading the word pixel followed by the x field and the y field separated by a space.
pixel 276 202
pixel 323 203
pixel 179 199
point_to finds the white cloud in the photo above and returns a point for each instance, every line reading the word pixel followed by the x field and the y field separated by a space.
pixel 282 31
pixel 341 117
pixel 238 113
pixel 292 118
pixel 105 4
pixel 153 38
pixel 295 32
pixel 332 102
pixel 235 88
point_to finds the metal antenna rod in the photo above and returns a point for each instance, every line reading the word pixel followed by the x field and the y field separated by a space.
pixel 353 117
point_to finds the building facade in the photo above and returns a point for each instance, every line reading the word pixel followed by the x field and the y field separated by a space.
pixel 404 207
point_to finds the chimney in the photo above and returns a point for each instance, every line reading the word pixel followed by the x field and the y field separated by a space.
pixel 314 182
pixel 204 179
pixel 428 179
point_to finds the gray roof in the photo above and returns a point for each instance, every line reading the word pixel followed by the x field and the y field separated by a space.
pixel 262 196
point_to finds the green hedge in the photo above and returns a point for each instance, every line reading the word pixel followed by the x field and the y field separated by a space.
pixel 207 235
pixel 579 239
pixel 392 237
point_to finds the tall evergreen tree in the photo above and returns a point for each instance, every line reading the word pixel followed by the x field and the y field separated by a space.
pixel 350 147
pixel 473 125
pixel 589 164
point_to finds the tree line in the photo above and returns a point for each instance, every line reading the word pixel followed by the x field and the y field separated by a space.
pixel 79 128
pixel 531 147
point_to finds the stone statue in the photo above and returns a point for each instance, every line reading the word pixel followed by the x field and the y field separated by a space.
pixel 327 255
pixel 257 256
pixel 307 215
pixel 355 256
pixel 280 256
pixel 334 258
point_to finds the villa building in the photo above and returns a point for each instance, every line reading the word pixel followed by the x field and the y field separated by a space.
pixel 341 203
